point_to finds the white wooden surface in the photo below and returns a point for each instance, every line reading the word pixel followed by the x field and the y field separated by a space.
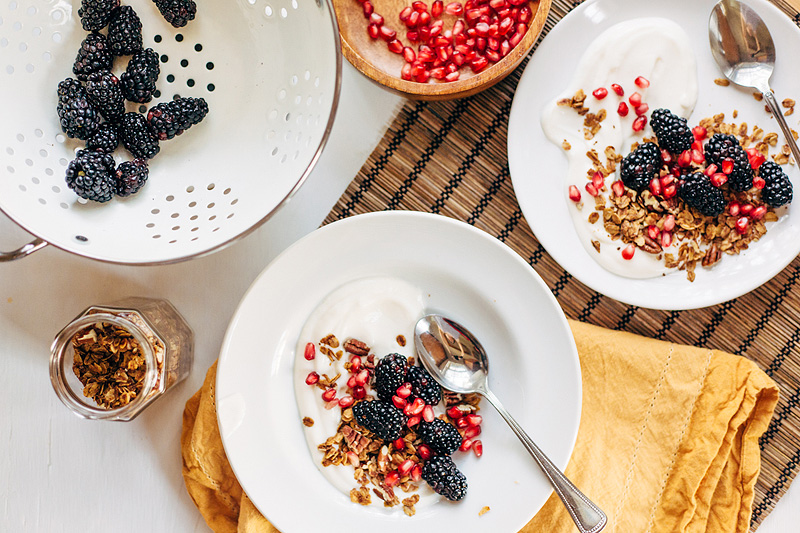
pixel 63 474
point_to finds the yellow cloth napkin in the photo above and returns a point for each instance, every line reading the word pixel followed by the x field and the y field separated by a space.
pixel 668 441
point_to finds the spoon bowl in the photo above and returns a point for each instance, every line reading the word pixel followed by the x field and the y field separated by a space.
pixel 456 359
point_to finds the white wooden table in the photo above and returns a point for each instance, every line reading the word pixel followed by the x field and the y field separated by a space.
pixel 63 474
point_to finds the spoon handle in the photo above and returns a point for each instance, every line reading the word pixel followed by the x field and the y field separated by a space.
pixel 769 96
pixel 586 515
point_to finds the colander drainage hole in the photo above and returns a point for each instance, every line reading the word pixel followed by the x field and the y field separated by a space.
pixel 170 78
pixel 81 238
pixel 211 87
pixel 179 37
pixel 157 38
pixel 164 58
pixel 184 63
pixel 210 65
pixel 190 82
pixel 198 47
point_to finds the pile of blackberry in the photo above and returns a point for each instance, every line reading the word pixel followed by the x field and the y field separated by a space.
pixel 681 154
pixel 92 107
pixel 386 420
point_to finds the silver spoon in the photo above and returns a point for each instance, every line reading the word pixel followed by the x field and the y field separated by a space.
pixel 456 359
pixel 742 47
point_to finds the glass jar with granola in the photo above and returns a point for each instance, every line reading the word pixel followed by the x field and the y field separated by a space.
pixel 114 360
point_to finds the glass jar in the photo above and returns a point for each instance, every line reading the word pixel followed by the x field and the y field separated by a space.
pixel 127 354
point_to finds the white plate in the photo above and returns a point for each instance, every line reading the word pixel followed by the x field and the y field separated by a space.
pixel 537 165
pixel 466 274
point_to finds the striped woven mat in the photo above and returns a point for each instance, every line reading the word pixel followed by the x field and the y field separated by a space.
pixel 450 158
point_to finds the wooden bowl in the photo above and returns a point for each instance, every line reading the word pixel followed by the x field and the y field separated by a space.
pixel 373 58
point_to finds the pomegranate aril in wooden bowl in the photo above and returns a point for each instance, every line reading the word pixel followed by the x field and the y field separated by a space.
pixel 438 50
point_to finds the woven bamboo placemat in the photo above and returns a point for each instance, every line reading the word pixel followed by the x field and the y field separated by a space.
pixel 450 158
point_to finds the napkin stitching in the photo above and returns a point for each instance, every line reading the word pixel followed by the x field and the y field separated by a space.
pixel 214 483
pixel 656 392
pixel 678 444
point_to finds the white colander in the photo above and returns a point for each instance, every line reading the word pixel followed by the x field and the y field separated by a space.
pixel 270 71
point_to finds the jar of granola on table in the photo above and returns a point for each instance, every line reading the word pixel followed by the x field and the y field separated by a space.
pixel 114 360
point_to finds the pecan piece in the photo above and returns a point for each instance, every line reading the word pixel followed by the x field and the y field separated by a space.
pixel 713 254
pixel 356 347
pixel 650 246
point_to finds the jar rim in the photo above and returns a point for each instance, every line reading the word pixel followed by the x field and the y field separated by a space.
pixel 81 405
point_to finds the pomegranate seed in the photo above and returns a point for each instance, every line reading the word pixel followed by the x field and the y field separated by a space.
pixel 591 189
pixel 454 8
pixel 399 444
pixel 424 452
pixel 424 34
pixel 639 123
pixel 758 182
pixel 669 223
pixel 312 378
pixel 598 180
pixel 413 20
pixel 310 352
pixel 466 444
pixel 351 382
pixel 368 9
pixel 622 109
pixel 627 253
pixel 482 29
pixel 642 82
pixel 655 187
pixel 395 46
pixel 505 48
pixel 346 402
pixel 617 88
pixel 635 99
pixel 436 8
pixel 399 402
pixel 618 187
pixel 423 76
pixel 505 25
pixel 759 212
pixel 666 157
pixel 404 390
pixel 746 209
pixel 416 473
pixel 710 170
pixel 493 43
pixel 697 156
pixel 362 377
pixel 405 467
pixel 438 73
pixel 413 421
pixel 462 423
pixel 699 133
pixel 454 412
pixel 392 478
pixel 755 157
pixel 477 447
pixel 417 406
pixel 515 39
pixel 472 432
pixel 405 13
pixel 734 209
pixel 413 36
pixel 666 239
pixel 458 59
pixel 697 145
pixel 388 35
pixel 359 393
pixel 424 18
pixel 420 7
pixel 478 64
pixel 355 364
pixel 685 159
pixel 600 93
pixel 373 31
pixel 329 395
pixel 669 191
pixel 427 413
pixel 642 109
pixel 574 193
pixel 742 225
pixel 376 19
pixel 458 28
pixel 493 56
pixel 667 180
pixel 525 14
pixel 719 179
pixel 652 231
pixel 727 165
pixel 331 404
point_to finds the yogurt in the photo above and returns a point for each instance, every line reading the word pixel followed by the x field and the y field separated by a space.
pixel 375 311
pixel 655 48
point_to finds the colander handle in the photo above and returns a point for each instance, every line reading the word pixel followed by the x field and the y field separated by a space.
pixel 19 253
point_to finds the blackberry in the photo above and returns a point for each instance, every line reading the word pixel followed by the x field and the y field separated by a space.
pixel 698 192
pixel 94 55
pixel 104 140
pixel 125 32
pixel 778 188
pixel 671 130
pixel 390 373
pixel 95 14
pixel 137 137
pixel 169 119
pixel 381 418
pixel 91 176
pixel 423 386
pixel 130 177
pixel 443 476
pixel 441 436
pixel 139 78
pixel 177 12
pixel 77 116
pixel 641 166
pixel 721 147
pixel 105 94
